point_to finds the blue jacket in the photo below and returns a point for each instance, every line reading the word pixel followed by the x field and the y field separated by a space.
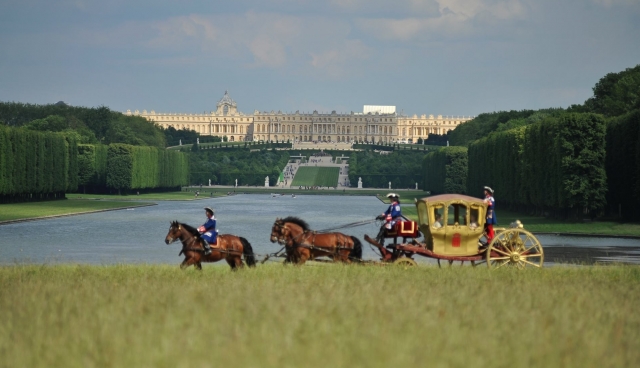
pixel 210 234
pixel 491 211
pixel 393 211
pixel 210 225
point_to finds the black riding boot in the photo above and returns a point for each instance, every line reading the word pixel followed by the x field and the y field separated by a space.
pixel 207 248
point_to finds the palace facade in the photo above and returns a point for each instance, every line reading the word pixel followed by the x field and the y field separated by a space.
pixel 377 124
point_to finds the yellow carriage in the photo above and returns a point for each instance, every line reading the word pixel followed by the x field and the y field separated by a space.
pixel 453 229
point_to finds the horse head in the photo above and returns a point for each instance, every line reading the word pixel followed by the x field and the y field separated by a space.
pixel 175 232
pixel 277 231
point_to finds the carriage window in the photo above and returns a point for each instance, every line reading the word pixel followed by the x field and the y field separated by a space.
pixel 423 215
pixel 474 216
pixel 438 212
pixel 457 214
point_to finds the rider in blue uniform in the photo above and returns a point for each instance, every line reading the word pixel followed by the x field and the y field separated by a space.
pixel 391 215
pixel 208 231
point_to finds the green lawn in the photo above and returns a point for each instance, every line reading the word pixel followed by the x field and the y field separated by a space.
pixel 319 316
pixel 165 196
pixel 19 211
pixel 316 176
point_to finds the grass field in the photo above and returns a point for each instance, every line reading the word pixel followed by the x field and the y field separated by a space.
pixel 164 196
pixel 316 176
pixel 18 211
pixel 319 316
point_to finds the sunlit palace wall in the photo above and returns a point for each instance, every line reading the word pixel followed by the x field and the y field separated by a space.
pixel 379 127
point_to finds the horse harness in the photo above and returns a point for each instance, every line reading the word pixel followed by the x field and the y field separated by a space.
pixel 336 249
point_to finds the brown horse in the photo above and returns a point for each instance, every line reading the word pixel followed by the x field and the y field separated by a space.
pixel 229 247
pixel 303 244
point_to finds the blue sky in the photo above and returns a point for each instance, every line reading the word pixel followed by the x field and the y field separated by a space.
pixel 450 57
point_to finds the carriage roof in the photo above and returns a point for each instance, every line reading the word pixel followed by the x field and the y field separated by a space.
pixel 452 197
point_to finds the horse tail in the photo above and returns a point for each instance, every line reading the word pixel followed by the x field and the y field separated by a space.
pixel 247 251
pixel 356 252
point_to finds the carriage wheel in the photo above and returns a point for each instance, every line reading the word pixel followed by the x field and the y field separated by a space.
pixel 405 262
pixel 515 248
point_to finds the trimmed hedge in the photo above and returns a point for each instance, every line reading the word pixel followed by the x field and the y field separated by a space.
pixel 136 167
pixel 92 166
pixel 35 165
pixel 623 165
pixel 555 165
pixel 445 171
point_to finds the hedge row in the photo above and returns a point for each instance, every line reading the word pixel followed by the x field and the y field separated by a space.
pixel 35 165
pixel 446 171
pixel 623 165
pixel 554 165
pixel 139 167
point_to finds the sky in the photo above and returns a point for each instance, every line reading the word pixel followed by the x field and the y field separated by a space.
pixel 449 57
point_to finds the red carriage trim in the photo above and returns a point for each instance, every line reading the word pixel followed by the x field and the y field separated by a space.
pixel 455 241
pixel 404 229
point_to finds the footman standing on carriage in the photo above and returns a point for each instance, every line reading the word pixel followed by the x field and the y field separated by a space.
pixel 491 213
pixel 208 231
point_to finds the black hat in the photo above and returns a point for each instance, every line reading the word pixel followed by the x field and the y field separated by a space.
pixel 209 209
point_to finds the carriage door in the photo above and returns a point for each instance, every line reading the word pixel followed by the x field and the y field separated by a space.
pixel 437 227
pixel 456 229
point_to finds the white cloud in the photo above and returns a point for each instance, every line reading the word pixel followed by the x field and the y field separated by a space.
pixel 456 19
pixel 255 40
pixel 610 3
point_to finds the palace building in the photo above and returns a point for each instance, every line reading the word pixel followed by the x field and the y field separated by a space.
pixel 377 124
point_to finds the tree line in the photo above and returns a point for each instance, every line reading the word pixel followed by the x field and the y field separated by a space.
pixel 46 165
pixel 564 162
pixel 226 164
pixel 36 166
pixel 403 168
pixel 445 171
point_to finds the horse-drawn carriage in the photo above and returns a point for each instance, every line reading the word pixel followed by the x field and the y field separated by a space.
pixel 453 229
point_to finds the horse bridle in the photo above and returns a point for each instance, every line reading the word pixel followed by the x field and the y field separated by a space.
pixel 280 238
pixel 184 246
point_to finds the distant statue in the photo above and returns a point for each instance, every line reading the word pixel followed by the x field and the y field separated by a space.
pixel 359 183
pixel 181 142
pixel 197 140
pixel 389 185
pixel 209 182
pixel 236 183
pixel 266 181
pixel 416 186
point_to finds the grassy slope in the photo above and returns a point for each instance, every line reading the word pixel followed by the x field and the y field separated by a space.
pixel 275 316
pixel 316 176
pixel 17 211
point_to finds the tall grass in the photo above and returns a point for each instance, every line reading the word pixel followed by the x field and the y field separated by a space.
pixel 71 316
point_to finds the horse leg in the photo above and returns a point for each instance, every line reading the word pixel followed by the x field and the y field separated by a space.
pixel 304 255
pixel 184 264
pixel 198 266
pixel 188 262
pixel 231 264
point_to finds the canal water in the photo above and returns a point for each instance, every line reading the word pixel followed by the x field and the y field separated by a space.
pixel 137 235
